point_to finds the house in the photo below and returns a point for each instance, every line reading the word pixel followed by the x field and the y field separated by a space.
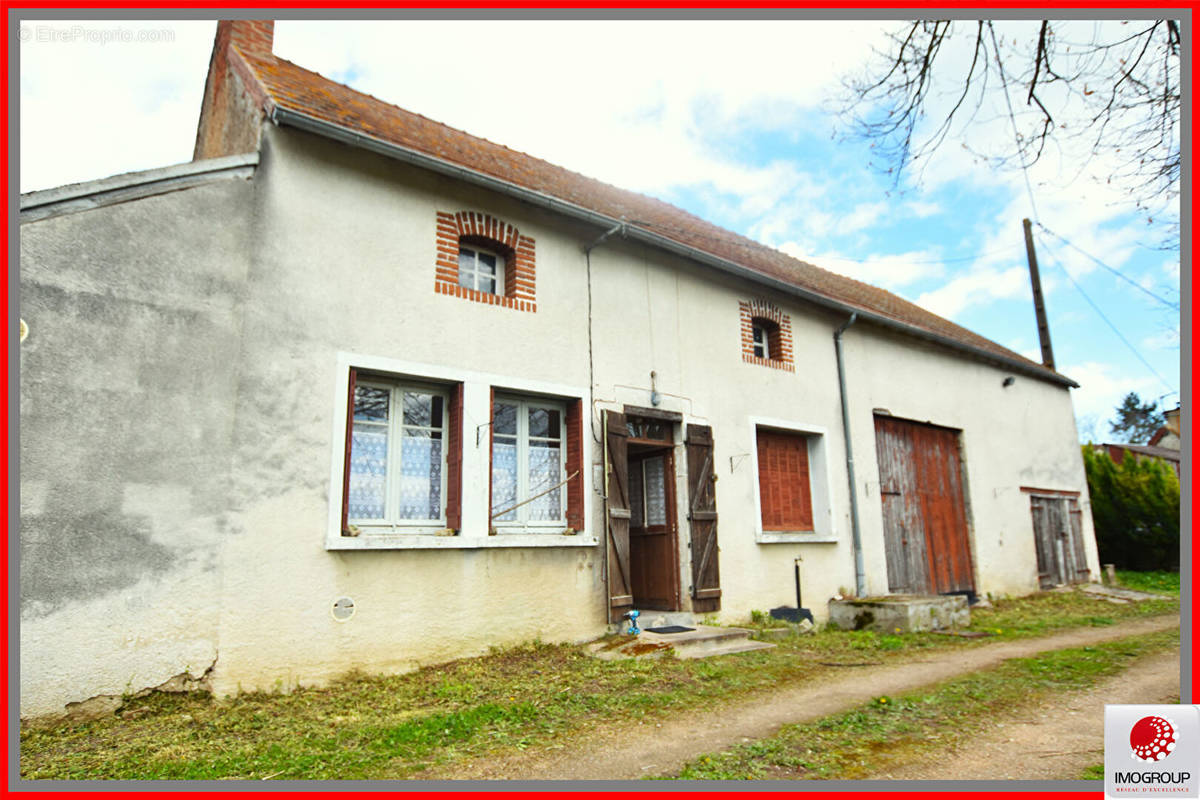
pixel 1168 435
pixel 354 389
pixel 1167 455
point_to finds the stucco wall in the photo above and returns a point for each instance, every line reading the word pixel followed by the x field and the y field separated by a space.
pixel 187 368
pixel 134 314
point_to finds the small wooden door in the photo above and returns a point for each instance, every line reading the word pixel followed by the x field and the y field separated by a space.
pixel 653 548
pixel 616 514
pixel 924 511
pixel 702 515
pixel 1058 537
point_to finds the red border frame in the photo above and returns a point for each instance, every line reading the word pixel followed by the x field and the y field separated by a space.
pixel 1034 10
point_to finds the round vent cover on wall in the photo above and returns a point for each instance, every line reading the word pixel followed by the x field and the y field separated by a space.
pixel 343 609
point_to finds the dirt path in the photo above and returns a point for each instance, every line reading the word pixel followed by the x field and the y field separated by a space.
pixel 1057 740
pixel 626 751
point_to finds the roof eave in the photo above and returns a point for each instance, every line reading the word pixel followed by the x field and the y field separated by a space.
pixel 281 115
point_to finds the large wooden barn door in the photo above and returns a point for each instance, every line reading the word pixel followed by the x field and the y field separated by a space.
pixel 924 512
pixel 1058 537
pixel 616 514
pixel 702 515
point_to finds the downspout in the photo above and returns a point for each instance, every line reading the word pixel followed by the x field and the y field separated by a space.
pixel 860 573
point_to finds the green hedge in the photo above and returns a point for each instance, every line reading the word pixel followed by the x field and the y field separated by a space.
pixel 1135 508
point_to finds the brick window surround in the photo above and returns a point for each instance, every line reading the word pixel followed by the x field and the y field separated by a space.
pixel 779 334
pixel 475 227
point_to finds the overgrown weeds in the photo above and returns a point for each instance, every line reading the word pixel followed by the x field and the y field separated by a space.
pixel 528 696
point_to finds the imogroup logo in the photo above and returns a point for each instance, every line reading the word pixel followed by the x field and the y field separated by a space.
pixel 1151 751
pixel 1152 738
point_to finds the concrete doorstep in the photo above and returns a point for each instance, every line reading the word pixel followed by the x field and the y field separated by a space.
pixel 703 642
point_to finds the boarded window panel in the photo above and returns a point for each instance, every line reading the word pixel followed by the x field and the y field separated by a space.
pixel 784 485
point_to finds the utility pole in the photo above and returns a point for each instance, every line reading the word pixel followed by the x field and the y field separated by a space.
pixel 1039 304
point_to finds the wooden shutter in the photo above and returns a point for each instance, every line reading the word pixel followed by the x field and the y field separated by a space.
pixel 784 489
pixel 454 455
pixel 616 514
pixel 574 446
pixel 491 449
pixel 1082 572
pixel 702 515
pixel 346 462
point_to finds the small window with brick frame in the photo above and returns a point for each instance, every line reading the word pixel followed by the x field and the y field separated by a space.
pixel 484 259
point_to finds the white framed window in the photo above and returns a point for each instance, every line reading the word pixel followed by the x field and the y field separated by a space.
pixel 761 342
pixel 528 463
pixel 480 269
pixel 397 456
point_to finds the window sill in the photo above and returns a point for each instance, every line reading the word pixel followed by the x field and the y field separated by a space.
pixel 416 541
pixel 795 537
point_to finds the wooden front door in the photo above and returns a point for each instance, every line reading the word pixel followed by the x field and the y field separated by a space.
pixel 924 511
pixel 1058 537
pixel 653 539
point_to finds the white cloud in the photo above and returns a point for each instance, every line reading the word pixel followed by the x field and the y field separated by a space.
pixel 977 287
pixel 891 271
pixel 1101 389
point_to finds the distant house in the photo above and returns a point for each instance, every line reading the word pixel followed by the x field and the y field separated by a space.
pixel 1168 455
pixel 1168 435
pixel 355 389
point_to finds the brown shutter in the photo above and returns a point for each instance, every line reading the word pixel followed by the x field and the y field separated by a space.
pixel 491 448
pixel 346 462
pixel 784 487
pixel 1082 572
pixel 706 581
pixel 616 514
pixel 454 455
pixel 574 445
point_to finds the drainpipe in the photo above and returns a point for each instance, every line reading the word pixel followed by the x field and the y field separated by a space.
pixel 860 573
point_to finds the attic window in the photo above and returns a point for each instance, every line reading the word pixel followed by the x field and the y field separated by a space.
pixel 486 260
pixel 480 269
pixel 766 335
pixel 762 330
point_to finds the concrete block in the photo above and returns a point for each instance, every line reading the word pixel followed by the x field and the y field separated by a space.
pixel 900 614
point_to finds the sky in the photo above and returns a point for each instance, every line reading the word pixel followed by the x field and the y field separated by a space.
pixel 732 120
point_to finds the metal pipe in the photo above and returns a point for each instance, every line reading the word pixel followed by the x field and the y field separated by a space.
pixel 860 573
pixel 283 116
pixel 620 226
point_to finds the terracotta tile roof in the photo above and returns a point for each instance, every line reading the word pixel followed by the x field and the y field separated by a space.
pixel 299 90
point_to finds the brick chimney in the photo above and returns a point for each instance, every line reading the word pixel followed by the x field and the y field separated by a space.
pixel 230 117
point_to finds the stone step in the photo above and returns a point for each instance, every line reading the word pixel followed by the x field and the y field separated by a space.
pixel 703 642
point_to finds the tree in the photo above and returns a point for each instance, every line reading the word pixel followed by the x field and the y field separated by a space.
pixel 1112 87
pixel 1135 509
pixel 1135 422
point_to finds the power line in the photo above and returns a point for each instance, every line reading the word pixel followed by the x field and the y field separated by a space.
pixel 1096 308
pixel 1110 269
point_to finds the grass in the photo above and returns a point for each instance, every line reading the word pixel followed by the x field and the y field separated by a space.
pixel 1161 582
pixel 529 696
pixel 893 731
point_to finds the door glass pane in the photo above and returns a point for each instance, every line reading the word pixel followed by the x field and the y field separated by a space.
pixel 421 475
pixel 544 464
pixel 504 476
pixel 656 497
pixel 368 472
pixel 636 499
